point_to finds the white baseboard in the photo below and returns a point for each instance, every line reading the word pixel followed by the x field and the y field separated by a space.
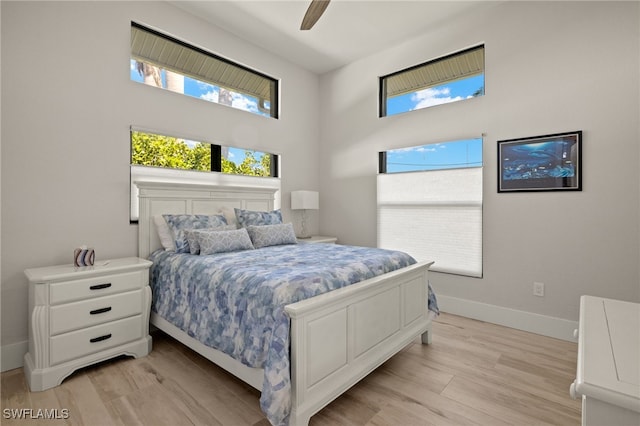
pixel 535 323
pixel 12 355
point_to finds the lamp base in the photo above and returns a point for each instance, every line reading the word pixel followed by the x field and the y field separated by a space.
pixel 304 233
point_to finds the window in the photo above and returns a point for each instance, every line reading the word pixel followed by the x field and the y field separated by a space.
pixel 162 61
pixel 448 79
pixel 165 158
pixel 150 149
pixel 430 204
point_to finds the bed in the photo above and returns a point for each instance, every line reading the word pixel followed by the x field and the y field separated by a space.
pixel 334 339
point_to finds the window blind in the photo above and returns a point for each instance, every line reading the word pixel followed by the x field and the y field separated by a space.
pixel 433 215
pixel 438 71
pixel 153 47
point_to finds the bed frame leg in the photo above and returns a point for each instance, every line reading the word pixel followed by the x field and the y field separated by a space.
pixel 299 421
pixel 426 337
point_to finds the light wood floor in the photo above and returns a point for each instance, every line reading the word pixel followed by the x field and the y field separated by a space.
pixel 473 373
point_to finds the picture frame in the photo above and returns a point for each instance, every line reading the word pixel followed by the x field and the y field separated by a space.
pixel 541 163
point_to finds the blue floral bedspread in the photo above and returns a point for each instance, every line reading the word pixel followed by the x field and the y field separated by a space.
pixel 234 302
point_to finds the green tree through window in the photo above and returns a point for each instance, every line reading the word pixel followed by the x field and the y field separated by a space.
pixel 153 150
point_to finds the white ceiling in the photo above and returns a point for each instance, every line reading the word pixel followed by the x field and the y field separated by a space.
pixel 347 31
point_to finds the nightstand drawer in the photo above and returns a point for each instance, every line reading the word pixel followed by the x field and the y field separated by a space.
pixel 96 286
pixel 76 344
pixel 86 313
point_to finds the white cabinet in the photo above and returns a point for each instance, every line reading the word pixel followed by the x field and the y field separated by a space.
pixel 608 373
pixel 82 315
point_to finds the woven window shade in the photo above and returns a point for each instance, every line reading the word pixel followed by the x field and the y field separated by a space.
pixel 165 52
pixel 434 73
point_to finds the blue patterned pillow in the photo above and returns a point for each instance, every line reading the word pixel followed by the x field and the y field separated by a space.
pixel 179 222
pixel 192 236
pixel 223 241
pixel 272 235
pixel 250 217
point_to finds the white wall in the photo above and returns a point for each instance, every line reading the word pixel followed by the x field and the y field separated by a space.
pixel 67 104
pixel 550 67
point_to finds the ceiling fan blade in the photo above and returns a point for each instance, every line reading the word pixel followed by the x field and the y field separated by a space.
pixel 314 12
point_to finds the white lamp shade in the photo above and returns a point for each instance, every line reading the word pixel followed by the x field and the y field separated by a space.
pixel 305 200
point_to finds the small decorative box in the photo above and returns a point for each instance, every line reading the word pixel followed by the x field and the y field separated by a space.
pixel 83 256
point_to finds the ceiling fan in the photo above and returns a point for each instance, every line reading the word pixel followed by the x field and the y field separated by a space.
pixel 314 12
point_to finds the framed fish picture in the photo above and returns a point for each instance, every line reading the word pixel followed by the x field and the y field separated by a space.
pixel 541 163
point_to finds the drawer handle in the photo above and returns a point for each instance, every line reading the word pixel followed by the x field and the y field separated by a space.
pixel 100 311
pixel 100 286
pixel 101 338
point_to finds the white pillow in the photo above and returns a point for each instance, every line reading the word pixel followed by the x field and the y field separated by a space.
pixel 165 234
pixel 229 214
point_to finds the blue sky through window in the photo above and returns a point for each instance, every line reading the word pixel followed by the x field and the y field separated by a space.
pixel 202 90
pixel 447 155
pixel 437 95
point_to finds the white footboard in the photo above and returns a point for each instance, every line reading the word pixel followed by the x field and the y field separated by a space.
pixel 339 337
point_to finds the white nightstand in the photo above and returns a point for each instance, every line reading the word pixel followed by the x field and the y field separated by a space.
pixel 317 239
pixel 80 316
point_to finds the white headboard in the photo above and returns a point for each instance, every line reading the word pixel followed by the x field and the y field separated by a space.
pixel 156 198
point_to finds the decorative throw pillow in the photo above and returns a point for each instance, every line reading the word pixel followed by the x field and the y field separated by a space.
pixel 272 235
pixel 223 241
pixel 179 222
pixel 192 236
pixel 250 217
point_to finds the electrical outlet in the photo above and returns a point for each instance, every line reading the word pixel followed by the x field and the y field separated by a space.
pixel 538 289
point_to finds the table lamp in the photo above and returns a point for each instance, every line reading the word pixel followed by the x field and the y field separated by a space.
pixel 305 200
